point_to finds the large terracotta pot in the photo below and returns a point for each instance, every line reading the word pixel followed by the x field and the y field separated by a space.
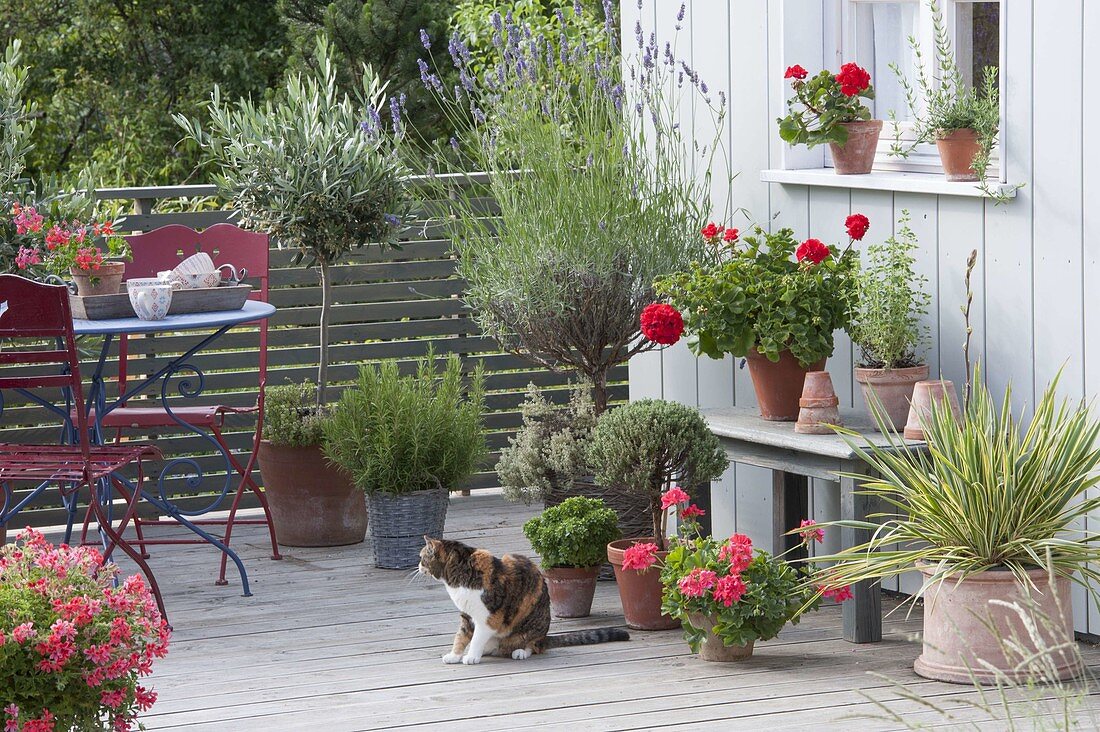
pixel 892 388
pixel 857 155
pixel 313 503
pixel 713 649
pixel 958 644
pixel 957 151
pixel 571 590
pixel 779 385
pixel 107 280
pixel 639 591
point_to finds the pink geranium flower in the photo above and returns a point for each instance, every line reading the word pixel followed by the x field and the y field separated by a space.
pixel 738 552
pixel 729 589
pixel 839 594
pixel 640 557
pixel 697 582
pixel 674 496
pixel 810 531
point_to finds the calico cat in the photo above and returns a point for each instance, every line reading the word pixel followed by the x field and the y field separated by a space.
pixel 504 604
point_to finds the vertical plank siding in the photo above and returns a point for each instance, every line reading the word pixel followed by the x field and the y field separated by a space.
pixel 393 304
pixel 1037 288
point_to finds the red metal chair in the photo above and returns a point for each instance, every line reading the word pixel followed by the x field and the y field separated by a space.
pixel 31 311
pixel 162 249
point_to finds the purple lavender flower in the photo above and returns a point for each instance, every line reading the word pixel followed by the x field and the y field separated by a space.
pixel 683 9
pixel 392 220
pixel 602 225
pixel 425 39
pixel 578 8
pixel 454 144
pixel 703 87
pixel 498 22
pixel 638 35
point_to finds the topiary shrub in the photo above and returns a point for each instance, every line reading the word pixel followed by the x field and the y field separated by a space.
pixel 648 444
pixel 574 533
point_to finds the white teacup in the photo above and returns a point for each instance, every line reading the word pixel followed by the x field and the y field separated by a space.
pixel 150 297
pixel 195 280
pixel 169 276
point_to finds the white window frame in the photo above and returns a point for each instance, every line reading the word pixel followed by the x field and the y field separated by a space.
pixel 925 158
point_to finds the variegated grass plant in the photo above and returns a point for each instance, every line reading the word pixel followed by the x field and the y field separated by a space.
pixel 988 492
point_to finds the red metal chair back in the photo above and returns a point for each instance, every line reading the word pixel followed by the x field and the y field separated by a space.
pixel 164 248
pixel 33 311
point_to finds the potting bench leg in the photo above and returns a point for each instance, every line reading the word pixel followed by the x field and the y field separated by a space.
pixel 863 613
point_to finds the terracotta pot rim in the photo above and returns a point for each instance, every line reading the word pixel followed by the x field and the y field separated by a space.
pixel 620 545
pixel 571 572
pixel 863 123
pixel 111 267
pixel 999 574
pixel 955 134
pixel 863 373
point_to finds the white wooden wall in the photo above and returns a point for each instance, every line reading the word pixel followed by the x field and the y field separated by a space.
pixel 1037 283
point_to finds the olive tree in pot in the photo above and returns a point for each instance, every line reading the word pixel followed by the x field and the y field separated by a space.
pixel 646 445
pixel 320 172
pixel 572 538
pixel 407 441
pixel 887 327
pixel 313 502
pixel 991 515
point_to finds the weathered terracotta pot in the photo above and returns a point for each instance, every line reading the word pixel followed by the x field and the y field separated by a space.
pixel 571 590
pixel 818 406
pixel 713 649
pixel 957 151
pixel 107 280
pixel 857 155
pixel 924 394
pixel 313 503
pixel 779 385
pixel 640 592
pixel 892 388
pixel 958 644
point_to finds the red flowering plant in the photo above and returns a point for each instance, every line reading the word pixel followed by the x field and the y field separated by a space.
pixel 741 595
pixel 823 103
pixel 59 247
pixel 767 292
pixel 73 646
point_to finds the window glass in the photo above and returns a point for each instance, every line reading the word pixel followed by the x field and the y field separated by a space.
pixel 881 32
pixel 978 33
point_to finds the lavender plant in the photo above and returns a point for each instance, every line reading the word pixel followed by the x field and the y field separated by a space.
pixel 600 190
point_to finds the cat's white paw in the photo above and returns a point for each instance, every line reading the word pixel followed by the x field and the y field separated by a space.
pixel 452 658
pixel 521 654
pixel 471 660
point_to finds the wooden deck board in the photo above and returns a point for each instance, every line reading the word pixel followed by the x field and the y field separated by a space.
pixel 329 642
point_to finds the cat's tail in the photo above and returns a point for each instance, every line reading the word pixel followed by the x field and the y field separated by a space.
pixel 585 637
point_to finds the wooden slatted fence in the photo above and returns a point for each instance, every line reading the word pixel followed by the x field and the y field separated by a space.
pixel 393 304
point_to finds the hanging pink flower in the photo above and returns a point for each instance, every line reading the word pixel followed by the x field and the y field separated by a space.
pixel 674 496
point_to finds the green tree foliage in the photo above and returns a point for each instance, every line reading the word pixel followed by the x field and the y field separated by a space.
pixel 106 76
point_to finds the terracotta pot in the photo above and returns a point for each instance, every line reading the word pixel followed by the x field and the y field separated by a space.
pixel 924 393
pixel 818 406
pixel 778 386
pixel 712 647
pixel 893 390
pixel 957 151
pixel 857 155
pixel 640 592
pixel 571 590
pixel 313 503
pixel 107 280
pixel 957 639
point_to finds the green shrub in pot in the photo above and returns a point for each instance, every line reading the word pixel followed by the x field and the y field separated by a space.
pixel 406 440
pixel 291 419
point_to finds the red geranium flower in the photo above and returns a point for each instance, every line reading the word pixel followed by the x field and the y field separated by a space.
pixel 840 594
pixel 729 589
pixel 712 232
pixel 796 72
pixel 731 235
pixel 737 551
pixel 674 496
pixel 692 511
pixel 662 323
pixel 640 557
pixel 697 582
pixel 813 250
pixel 811 531
pixel 853 79
pixel 857 225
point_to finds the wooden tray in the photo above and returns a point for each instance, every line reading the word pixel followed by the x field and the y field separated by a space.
pixel 198 300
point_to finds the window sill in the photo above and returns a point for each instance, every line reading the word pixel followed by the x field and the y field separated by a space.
pixel 883 180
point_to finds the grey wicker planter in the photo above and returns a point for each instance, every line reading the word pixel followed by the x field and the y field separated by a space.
pixel 399 523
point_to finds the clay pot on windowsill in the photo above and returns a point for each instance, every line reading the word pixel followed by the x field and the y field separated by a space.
pixel 571 590
pixel 892 389
pixel 958 646
pixel 857 155
pixel 958 148
pixel 778 385
pixel 639 591
pixel 313 502
pixel 107 280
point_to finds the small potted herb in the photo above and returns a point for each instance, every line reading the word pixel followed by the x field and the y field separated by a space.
pixel 827 109
pixel 769 299
pixel 572 538
pixel 90 254
pixel 313 502
pixel 963 121
pixel 407 441
pixel 647 445
pixel 886 327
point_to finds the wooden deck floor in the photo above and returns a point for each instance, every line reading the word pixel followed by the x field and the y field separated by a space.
pixel 330 643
